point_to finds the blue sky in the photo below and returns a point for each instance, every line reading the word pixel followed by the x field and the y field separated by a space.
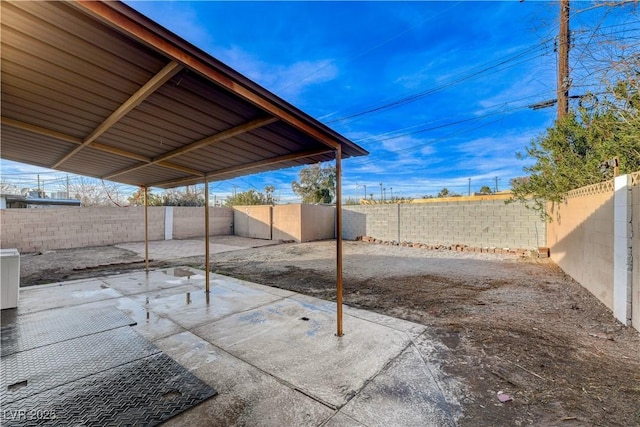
pixel 437 92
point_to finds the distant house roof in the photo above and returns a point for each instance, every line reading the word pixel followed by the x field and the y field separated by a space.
pixel 98 89
pixel 12 198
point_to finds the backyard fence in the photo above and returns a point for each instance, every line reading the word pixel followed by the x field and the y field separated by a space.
pixel 595 238
pixel 456 221
pixel 33 230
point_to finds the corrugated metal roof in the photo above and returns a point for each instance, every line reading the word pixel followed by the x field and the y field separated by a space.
pixel 96 88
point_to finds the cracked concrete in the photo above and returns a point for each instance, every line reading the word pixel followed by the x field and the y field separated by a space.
pixel 272 354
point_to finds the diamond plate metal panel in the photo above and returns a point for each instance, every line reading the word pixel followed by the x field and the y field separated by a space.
pixel 143 392
pixel 33 371
pixel 42 328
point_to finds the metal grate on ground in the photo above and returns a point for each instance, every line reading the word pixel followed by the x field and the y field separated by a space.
pixel 34 371
pixel 146 392
pixel 29 331
pixel 83 366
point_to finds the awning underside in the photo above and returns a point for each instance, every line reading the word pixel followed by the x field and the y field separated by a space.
pixel 82 95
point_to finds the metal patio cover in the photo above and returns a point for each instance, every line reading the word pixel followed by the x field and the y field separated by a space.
pixel 97 89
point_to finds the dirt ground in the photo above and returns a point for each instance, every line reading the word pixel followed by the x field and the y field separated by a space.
pixel 503 323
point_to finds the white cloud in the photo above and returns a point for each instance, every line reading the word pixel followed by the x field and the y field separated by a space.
pixel 286 80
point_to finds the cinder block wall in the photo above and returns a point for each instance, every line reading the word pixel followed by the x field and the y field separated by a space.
pixel 188 222
pixel 581 240
pixel 483 223
pixel 379 221
pixel 32 230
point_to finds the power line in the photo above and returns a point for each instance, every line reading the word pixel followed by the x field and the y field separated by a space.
pixel 413 97
pixel 504 104
pixel 372 159
pixel 504 61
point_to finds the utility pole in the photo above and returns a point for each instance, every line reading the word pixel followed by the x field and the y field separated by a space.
pixel 384 192
pixel 380 191
pixel 469 186
pixel 391 188
pixel 67 186
pixel 497 179
pixel 563 61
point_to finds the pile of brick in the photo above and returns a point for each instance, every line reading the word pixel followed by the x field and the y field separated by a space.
pixel 459 248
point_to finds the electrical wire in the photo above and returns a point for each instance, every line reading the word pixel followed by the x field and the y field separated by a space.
pixel 505 60
pixel 430 91
pixel 371 159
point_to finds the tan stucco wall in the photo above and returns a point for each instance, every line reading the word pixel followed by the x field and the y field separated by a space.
pixel 287 222
pixel 252 221
pixel 299 222
pixel 635 290
pixel 581 242
pixel 318 222
pixel 303 223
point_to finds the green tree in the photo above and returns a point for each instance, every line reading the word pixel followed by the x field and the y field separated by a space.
pixel 572 153
pixel 316 184
pixel 137 198
pixel 444 193
pixel 485 190
pixel 252 197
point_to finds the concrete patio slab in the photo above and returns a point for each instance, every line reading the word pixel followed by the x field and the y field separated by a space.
pixel 342 420
pixel 408 383
pixel 142 282
pixel 149 324
pixel 271 290
pixel 247 395
pixel 65 294
pixel 172 249
pixel 414 330
pixel 329 369
pixel 272 355
pixel 191 308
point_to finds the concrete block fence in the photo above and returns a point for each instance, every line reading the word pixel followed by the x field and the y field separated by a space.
pixel 476 223
pixel 33 230
pixel 471 223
